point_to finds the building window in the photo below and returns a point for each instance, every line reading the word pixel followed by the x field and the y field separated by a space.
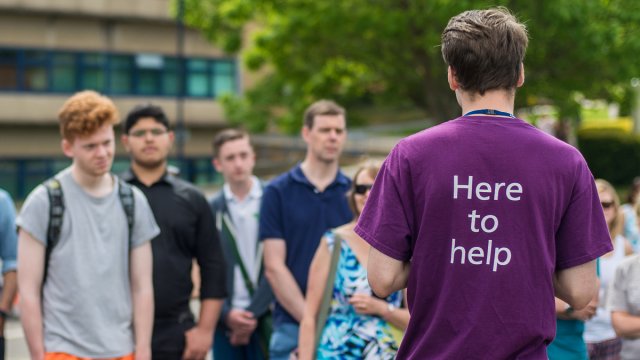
pixel 63 74
pixel 92 71
pixel 197 78
pixel 8 69
pixel 149 69
pixel 223 78
pixel 120 67
pixel 170 84
pixel 37 70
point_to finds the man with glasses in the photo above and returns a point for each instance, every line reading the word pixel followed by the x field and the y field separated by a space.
pixel 188 232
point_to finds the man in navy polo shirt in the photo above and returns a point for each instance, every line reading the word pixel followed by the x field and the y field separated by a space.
pixel 297 208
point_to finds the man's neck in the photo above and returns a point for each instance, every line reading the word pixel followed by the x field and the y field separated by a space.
pixel 241 189
pixel 97 186
pixel 320 174
pixel 146 175
pixel 501 100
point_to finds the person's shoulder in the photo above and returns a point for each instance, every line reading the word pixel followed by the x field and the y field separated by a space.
pixel 281 181
pixel 217 199
pixel 5 197
pixel 630 262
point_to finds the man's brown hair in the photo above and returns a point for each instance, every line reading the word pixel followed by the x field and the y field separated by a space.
pixel 485 49
pixel 322 107
pixel 225 136
pixel 84 113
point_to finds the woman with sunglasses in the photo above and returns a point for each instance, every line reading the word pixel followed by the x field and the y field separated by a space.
pixel 602 341
pixel 359 325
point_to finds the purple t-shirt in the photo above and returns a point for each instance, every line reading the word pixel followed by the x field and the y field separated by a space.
pixel 486 209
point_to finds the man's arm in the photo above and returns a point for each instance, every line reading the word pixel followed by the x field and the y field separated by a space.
pixel 31 262
pixel 386 274
pixel 142 295
pixel 578 285
pixel 625 324
pixel 8 253
pixel 200 338
pixel 282 282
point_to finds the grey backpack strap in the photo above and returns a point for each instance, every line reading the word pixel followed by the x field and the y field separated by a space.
pixel 56 211
pixel 128 204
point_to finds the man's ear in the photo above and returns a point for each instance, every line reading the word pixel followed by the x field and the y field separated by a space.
pixel 521 76
pixel 305 133
pixel 67 148
pixel 216 164
pixel 451 78
pixel 124 139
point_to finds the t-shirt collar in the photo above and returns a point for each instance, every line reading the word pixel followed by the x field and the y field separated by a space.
pixel 254 193
pixel 298 175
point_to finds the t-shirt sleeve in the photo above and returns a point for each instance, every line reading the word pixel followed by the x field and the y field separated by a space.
pixel 617 292
pixel 271 222
pixel 386 220
pixel 145 227
pixel 34 215
pixel 8 236
pixel 583 234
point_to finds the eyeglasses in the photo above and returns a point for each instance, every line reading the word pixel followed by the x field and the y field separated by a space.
pixel 143 132
pixel 607 204
pixel 362 188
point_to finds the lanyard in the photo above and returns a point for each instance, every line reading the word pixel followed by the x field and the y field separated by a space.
pixel 489 112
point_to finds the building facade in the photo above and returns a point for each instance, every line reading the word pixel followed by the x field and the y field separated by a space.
pixel 130 50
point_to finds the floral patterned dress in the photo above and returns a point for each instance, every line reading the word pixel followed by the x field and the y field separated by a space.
pixel 347 334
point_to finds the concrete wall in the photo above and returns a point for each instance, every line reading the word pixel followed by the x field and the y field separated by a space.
pixel 146 9
pixel 28 124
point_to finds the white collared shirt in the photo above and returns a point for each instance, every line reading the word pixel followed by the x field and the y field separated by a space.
pixel 244 215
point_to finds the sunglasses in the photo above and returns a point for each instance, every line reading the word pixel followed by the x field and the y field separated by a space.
pixel 607 204
pixel 362 188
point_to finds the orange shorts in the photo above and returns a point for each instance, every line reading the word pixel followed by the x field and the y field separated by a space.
pixel 65 356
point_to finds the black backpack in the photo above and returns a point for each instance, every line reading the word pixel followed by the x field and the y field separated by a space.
pixel 56 211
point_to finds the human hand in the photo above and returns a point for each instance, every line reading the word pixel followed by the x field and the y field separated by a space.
pixel 587 313
pixel 198 343
pixel 239 338
pixel 367 305
pixel 241 321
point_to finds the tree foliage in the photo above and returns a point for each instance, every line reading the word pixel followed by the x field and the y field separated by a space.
pixel 387 51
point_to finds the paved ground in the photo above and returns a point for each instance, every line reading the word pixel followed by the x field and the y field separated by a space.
pixel 16 345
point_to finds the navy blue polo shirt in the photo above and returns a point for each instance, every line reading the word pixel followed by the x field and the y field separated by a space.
pixel 293 210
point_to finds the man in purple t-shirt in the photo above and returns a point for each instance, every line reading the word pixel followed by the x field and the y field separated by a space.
pixel 484 218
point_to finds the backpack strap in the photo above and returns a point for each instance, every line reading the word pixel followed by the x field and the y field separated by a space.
pixel 128 204
pixel 56 211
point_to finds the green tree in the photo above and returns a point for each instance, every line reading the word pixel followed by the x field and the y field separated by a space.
pixel 387 51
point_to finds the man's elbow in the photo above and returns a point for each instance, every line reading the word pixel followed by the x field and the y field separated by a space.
pixel 380 286
pixel 581 296
pixel 271 273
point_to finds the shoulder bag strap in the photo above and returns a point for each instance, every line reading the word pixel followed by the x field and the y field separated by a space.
pixel 228 231
pixel 323 311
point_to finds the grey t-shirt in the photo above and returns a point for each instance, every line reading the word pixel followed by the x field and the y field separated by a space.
pixel 624 295
pixel 87 296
